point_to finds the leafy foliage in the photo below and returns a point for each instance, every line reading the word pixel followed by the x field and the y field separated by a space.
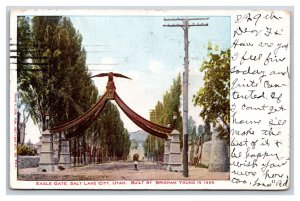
pixel 24 150
pixel 200 129
pixel 214 97
pixel 192 130
pixel 23 54
pixel 58 81
pixel 109 133
pixel 163 115
pixel 134 144
pixel 24 43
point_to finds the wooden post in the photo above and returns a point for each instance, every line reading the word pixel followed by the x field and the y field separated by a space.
pixel 98 155
pixel 78 151
pixel 70 150
pixel 59 148
pixel 200 155
pixel 89 153
pixel 74 151
pixel 84 148
pixel 94 155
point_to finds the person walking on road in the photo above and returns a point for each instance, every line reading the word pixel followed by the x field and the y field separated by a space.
pixel 135 165
pixel 135 161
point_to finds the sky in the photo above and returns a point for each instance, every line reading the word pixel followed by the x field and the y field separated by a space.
pixel 152 55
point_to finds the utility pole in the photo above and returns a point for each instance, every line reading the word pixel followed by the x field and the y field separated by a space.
pixel 185 25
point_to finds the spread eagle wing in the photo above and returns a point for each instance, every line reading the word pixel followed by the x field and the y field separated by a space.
pixel 100 75
pixel 114 74
pixel 120 75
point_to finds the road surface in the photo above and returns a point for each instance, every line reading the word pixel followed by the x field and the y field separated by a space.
pixel 120 170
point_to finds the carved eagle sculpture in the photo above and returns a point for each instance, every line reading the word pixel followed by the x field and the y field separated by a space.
pixel 111 75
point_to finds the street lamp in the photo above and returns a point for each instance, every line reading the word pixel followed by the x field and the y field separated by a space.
pixel 47 120
pixel 175 115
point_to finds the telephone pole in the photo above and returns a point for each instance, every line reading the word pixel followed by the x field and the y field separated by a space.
pixel 185 25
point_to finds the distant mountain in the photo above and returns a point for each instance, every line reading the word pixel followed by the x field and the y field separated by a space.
pixel 138 135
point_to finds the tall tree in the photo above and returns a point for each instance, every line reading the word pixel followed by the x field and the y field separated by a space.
pixel 23 51
pixel 200 130
pixel 109 133
pixel 58 81
pixel 214 97
pixel 23 56
pixel 163 115
pixel 192 130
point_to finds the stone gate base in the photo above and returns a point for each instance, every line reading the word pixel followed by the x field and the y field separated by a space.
pixel 46 163
pixel 175 159
pixel 64 158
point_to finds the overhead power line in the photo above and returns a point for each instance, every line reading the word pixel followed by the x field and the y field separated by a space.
pixel 182 19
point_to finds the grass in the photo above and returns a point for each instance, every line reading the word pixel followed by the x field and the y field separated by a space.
pixel 200 165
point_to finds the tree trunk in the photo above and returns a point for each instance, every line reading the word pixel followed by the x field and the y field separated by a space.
pixel 225 125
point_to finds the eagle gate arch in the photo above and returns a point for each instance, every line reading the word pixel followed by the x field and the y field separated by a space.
pixel 76 127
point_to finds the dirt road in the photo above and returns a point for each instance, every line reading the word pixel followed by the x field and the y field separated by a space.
pixel 120 170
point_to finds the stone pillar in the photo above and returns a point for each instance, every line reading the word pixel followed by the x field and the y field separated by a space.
pixel 64 159
pixel 46 163
pixel 166 153
pixel 219 160
pixel 205 155
pixel 175 160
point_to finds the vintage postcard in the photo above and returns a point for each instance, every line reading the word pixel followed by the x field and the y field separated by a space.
pixel 150 99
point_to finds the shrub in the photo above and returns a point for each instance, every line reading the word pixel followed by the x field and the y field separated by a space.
pixel 25 150
pixel 200 165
